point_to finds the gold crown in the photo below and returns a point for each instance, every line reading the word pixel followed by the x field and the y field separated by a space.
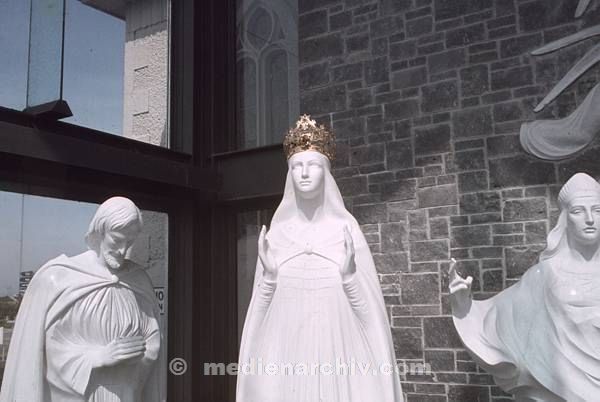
pixel 308 136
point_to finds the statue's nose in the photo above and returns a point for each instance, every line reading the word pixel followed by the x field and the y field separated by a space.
pixel 589 218
pixel 305 171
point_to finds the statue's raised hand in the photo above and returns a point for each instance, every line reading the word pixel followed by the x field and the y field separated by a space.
pixel 348 268
pixel 460 291
pixel 266 257
pixel 117 351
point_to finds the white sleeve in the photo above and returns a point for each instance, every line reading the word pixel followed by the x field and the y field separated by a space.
pixel 354 294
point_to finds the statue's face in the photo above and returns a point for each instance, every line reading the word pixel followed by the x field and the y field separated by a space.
pixel 307 169
pixel 116 244
pixel 583 220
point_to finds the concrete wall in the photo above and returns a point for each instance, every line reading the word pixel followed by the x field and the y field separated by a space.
pixel 427 98
pixel 145 112
pixel 146 72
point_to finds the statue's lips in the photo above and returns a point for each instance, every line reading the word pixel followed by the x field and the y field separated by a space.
pixel 589 230
pixel 305 183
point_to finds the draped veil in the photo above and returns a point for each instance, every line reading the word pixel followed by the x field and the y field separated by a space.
pixel 378 333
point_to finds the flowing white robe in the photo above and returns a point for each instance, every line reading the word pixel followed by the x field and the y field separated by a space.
pixel 309 317
pixel 314 322
pixel 69 309
pixel 316 327
pixel 540 338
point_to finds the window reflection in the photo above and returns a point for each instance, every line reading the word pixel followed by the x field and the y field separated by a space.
pixel 277 95
pixel 94 67
pixel 267 66
pixel 247 103
pixel 116 67
pixel 110 65
pixel 45 65
pixel 37 229
pixel 14 46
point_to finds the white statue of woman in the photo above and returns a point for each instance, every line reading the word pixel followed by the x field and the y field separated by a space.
pixel 87 329
pixel 540 338
pixel 317 306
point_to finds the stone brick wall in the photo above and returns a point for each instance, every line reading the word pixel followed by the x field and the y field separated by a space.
pixel 427 98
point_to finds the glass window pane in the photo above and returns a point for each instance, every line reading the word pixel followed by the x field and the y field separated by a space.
pixel 247 102
pixel 268 95
pixel 94 67
pixel 277 96
pixel 35 230
pixel 14 47
pixel 116 67
pixel 111 63
pixel 260 27
pixel 45 51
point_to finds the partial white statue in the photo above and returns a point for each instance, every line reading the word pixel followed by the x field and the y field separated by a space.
pixel 87 329
pixel 562 138
pixel 317 315
pixel 539 338
pixel 581 7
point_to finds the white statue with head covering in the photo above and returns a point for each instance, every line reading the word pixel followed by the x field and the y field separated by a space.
pixel 87 329
pixel 540 338
pixel 317 316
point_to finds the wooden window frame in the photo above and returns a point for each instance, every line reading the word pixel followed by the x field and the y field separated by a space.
pixel 194 182
pixel 60 160
pixel 249 179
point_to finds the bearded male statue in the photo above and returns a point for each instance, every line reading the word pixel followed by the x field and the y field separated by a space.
pixel 87 329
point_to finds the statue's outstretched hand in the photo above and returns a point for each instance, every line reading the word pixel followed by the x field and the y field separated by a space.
pixel 118 351
pixel 460 291
pixel 266 257
pixel 348 269
pixel 457 282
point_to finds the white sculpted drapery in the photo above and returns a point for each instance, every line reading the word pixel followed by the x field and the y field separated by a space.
pixel 539 338
pixel 311 317
pixel 87 329
pixel 68 309
pixel 105 314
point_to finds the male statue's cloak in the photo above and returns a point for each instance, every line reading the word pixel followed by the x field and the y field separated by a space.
pixel 54 290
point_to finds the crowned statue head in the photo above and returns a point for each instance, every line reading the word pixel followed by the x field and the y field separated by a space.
pixel 113 230
pixel 310 149
pixel 312 217
pixel 311 193
pixel 578 226
pixel 308 136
